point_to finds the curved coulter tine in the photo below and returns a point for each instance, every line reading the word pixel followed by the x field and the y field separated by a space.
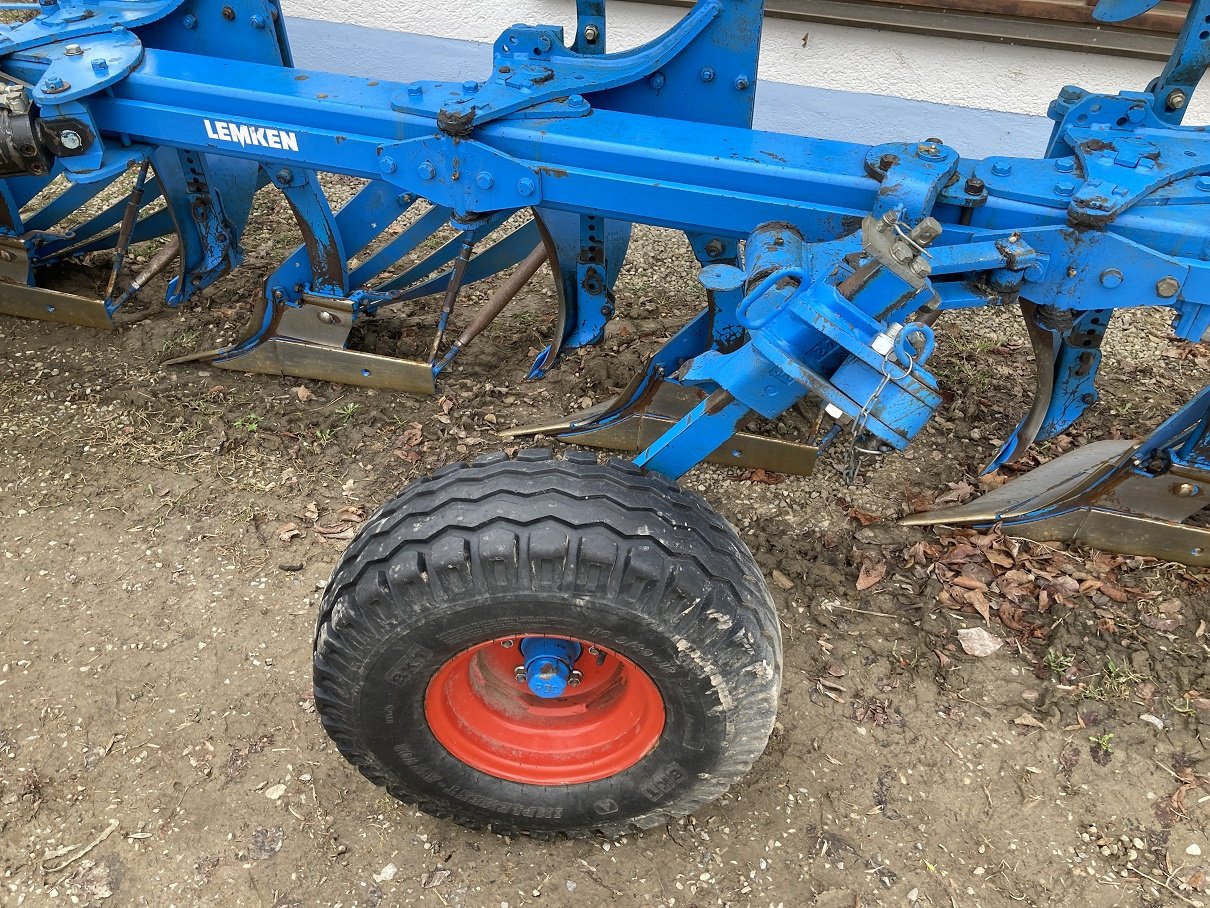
pixel 1139 498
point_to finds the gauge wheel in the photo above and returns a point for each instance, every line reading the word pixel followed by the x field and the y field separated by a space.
pixel 548 645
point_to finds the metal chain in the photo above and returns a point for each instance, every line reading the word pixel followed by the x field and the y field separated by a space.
pixel 859 423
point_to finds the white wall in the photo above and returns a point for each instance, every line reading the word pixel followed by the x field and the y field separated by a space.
pixel 974 74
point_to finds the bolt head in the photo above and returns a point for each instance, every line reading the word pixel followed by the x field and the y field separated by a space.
pixel 70 140
pixel 100 65
pixel 526 187
pixel 485 180
pixel 73 50
pixel 1136 114
pixel 707 74
pixel 656 81
pixel 1071 93
pixel 387 164
pixel 327 317
pixel 742 83
pixel 426 171
pixel 1065 165
pixel 577 102
pixel 53 84
pixel 1167 287
pixel 415 89
pixel 1176 100
pixel 1203 184
pixel 507 642
pixel 1064 188
pixel 1002 168
pixel 258 22
pixel 470 86
pixel 1187 490
pixel 591 34
pixel 189 21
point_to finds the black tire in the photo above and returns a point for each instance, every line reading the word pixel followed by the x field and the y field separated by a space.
pixel 539 546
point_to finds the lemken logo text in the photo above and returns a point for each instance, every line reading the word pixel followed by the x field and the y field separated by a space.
pixel 251 135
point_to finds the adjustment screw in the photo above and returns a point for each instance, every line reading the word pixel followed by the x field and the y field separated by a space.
pixel 485 180
pixel 591 34
pixel 1111 278
pixel 707 74
pixel 929 151
pixel 1167 287
pixel 742 83
pixel 526 187
pixel 73 50
pixel 100 65
pixel 70 140
pixel 426 170
pixel 1064 188
pixel 656 81
pixel 1002 168
pixel 1176 100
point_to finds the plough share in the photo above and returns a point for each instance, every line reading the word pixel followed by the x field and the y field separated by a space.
pixel 563 644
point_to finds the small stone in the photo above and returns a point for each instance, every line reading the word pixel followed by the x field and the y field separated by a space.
pixel 1194 850
pixel 274 792
pixel 913 895
pixel 387 873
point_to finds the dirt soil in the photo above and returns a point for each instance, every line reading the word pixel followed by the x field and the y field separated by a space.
pixel 165 533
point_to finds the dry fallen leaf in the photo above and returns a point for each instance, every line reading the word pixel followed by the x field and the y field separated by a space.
pixel 782 580
pixel 976 641
pixel 871 573
pixel 1027 720
pixel 303 393
pixel 288 531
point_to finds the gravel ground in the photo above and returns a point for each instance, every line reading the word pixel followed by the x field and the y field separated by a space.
pixel 166 532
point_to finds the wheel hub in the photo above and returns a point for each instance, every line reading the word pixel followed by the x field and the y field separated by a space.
pixel 571 712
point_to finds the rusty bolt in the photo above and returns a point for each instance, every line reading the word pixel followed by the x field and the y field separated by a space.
pixel 975 186
pixel 715 248
pixel 1176 100
pixel 1167 287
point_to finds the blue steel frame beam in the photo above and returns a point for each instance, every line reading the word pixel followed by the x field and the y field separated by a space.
pixel 727 180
